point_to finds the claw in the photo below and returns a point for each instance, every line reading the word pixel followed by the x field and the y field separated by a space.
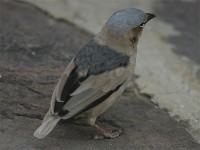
pixel 106 134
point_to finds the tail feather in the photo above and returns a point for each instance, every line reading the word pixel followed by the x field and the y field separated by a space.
pixel 47 126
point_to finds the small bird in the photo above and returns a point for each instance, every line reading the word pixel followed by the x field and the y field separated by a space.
pixel 99 73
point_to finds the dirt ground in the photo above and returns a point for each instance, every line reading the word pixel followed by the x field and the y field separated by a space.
pixel 34 50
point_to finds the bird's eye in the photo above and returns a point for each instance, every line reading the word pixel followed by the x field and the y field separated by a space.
pixel 142 25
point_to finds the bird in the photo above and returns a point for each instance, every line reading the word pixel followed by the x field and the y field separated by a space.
pixel 99 73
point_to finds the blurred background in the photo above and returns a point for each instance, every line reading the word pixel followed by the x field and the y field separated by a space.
pixel 168 62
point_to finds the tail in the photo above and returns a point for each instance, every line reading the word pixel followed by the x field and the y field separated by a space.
pixel 47 126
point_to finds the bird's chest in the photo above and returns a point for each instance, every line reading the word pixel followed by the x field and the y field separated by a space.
pixel 132 61
pixel 131 52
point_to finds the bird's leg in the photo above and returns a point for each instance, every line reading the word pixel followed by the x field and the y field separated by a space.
pixel 106 134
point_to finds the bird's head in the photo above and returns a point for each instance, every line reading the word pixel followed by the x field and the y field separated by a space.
pixel 127 23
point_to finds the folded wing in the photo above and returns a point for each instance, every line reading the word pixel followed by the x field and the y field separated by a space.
pixel 90 78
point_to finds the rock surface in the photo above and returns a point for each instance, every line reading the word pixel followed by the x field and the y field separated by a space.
pixel 34 50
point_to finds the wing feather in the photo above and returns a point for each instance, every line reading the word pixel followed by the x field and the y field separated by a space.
pixel 92 89
pixel 92 76
pixel 63 79
pixel 106 81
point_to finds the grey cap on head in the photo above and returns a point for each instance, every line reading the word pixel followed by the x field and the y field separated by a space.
pixel 124 20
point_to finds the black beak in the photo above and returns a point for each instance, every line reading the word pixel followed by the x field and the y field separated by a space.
pixel 150 16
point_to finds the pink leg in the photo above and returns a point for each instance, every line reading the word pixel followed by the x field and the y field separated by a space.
pixel 106 134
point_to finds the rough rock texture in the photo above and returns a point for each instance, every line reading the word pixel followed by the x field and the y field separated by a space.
pixel 34 50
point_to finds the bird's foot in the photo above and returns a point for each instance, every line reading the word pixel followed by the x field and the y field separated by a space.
pixel 106 134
